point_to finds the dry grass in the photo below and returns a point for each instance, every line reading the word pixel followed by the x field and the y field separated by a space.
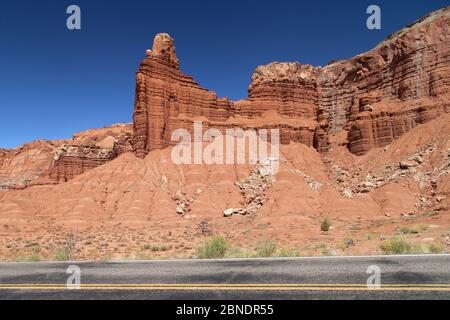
pixel 414 229
pixel 213 248
pixel 402 246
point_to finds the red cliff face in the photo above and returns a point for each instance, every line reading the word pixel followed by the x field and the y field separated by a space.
pixel 166 99
pixel 365 102
pixel 88 150
pixel 378 96
pixel 54 161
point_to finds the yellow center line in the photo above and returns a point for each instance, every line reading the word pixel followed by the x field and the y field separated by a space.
pixel 235 287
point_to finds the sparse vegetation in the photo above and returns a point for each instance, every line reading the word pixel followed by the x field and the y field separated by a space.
pixel 414 229
pixel 323 248
pixel 401 246
pixel 326 251
pixel 70 246
pixel 213 248
pixel 236 252
pixel 33 257
pixel 266 248
pixel 288 252
pixel 431 213
pixel 325 225
pixel 368 237
pixel 157 247
pixel 61 255
pixel 435 248
pixel 395 246
pixel 67 251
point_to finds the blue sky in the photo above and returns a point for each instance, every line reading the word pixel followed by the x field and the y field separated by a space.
pixel 55 82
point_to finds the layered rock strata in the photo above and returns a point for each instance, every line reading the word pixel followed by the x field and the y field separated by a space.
pixel 89 150
pixel 362 103
pixel 54 161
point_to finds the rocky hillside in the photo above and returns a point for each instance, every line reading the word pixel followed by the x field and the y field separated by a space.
pixel 54 161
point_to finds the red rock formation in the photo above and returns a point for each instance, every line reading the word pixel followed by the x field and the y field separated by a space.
pixel 89 150
pixel 167 100
pixel 374 99
pixel 365 102
pixel 48 162
pixel 405 80
pixel 164 95
pixel 25 164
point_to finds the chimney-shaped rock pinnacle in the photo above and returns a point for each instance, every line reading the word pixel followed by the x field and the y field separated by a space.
pixel 164 49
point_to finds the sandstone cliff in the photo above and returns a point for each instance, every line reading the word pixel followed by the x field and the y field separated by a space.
pixel 54 161
pixel 88 150
pixel 365 102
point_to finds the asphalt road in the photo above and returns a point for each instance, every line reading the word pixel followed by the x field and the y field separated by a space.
pixel 402 277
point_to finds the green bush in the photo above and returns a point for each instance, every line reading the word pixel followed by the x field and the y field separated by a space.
pixel 266 248
pixel 213 248
pixel 62 255
pixel 401 246
pixel 325 225
pixel 396 246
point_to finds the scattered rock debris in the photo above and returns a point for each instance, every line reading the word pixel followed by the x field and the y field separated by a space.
pixel 351 184
pixel 183 201
pixel 254 187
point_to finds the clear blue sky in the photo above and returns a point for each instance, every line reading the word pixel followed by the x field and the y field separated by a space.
pixel 55 82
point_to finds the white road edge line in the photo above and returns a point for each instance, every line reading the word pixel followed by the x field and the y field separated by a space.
pixel 236 259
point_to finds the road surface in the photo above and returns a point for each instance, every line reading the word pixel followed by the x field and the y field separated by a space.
pixel 402 277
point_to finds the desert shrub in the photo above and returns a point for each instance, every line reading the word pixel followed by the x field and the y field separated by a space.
pixel 67 251
pixel 368 236
pixel 61 255
pixel 213 248
pixel 396 246
pixel 431 213
pixel 325 225
pixel 414 229
pixel 418 249
pixel 288 252
pixel 401 246
pixel 266 248
pixel 435 248
pixel 326 251
pixel 33 257
pixel 158 247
